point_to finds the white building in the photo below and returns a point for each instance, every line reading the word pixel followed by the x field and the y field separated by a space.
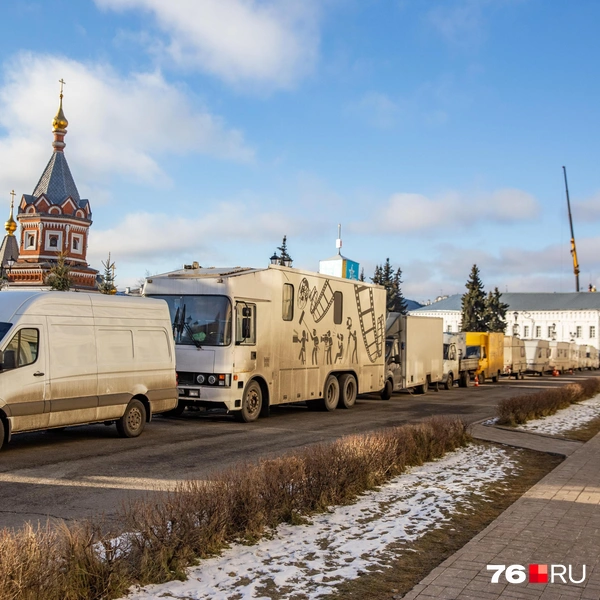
pixel 570 317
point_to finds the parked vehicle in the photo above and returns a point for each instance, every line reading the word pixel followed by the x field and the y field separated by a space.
pixel 457 367
pixel 559 357
pixel 573 356
pixel 592 357
pixel 582 361
pixel 538 356
pixel 414 353
pixel 247 339
pixel 489 349
pixel 71 358
pixel 514 357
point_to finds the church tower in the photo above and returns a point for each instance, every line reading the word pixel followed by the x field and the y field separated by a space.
pixel 54 221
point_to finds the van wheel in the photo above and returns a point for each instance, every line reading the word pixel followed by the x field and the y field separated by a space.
pixel 251 403
pixel 348 391
pixel 177 411
pixel 388 390
pixel 449 382
pixel 331 394
pixel 132 423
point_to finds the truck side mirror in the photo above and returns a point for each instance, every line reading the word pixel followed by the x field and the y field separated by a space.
pixel 246 327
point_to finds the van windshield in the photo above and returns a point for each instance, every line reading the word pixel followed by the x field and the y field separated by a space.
pixel 4 327
pixel 200 320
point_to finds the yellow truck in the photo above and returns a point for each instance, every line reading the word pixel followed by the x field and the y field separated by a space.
pixel 489 349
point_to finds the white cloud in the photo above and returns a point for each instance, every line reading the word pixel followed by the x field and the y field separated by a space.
pixel 118 125
pixel 406 212
pixel 269 42
pixel 587 210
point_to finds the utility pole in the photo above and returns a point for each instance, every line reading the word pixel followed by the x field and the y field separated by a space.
pixel 573 249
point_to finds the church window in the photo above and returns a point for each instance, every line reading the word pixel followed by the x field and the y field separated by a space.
pixel 75 244
pixel 30 241
pixel 53 241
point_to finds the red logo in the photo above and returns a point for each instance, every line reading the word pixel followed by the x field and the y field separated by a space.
pixel 538 573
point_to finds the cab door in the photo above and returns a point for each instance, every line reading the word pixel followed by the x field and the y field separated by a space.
pixel 24 380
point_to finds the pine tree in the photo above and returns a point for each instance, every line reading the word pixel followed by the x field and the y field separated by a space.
pixel 362 275
pixel 390 279
pixel 107 285
pixel 495 312
pixel 283 253
pixel 474 304
pixel 59 277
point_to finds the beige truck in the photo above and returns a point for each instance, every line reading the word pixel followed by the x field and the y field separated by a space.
pixel 515 363
pixel 248 338
pixel 414 353
pixel 70 358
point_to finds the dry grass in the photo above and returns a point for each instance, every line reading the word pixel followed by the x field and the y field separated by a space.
pixel 520 409
pixel 163 534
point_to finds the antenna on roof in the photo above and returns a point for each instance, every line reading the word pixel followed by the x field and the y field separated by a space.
pixel 338 242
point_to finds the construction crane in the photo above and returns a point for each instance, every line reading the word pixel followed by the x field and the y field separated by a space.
pixel 573 249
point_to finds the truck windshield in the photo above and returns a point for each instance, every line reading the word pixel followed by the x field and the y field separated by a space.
pixel 4 327
pixel 473 352
pixel 200 320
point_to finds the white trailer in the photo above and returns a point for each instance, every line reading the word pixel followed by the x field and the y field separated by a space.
pixel 573 356
pixel 538 356
pixel 515 362
pixel 247 339
pixel 560 359
pixel 457 367
pixel 414 353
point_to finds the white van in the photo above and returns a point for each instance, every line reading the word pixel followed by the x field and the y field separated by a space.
pixel 69 358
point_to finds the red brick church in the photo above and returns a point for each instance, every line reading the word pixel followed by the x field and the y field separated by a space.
pixel 54 220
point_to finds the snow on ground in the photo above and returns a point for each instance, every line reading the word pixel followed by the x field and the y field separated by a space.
pixel 308 561
pixel 573 417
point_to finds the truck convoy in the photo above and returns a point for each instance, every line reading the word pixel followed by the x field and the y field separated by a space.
pixel 247 339
pixel 414 353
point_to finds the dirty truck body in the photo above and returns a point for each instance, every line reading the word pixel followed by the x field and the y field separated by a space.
pixel 515 363
pixel 414 352
pixel 247 339
pixel 457 367
pixel 489 349
pixel 72 358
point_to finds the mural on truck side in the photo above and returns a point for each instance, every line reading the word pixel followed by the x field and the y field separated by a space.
pixel 319 303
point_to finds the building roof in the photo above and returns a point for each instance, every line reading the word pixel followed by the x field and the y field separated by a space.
pixel 529 301
pixel 56 182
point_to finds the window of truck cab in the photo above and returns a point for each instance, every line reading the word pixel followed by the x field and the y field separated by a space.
pixel 245 330
pixel 199 320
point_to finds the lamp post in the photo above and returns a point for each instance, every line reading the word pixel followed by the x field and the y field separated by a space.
pixel 10 262
pixel 515 324
pixel 553 331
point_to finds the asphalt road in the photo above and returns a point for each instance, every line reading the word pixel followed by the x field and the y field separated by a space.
pixel 87 471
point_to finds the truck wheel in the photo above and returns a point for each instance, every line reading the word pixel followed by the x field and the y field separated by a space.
pixel 132 423
pixel 177 411
pixel 2 433
pixel 348 391
pixel 495 379
pixel 449 382
pixel 251 403
pixel 422 389
pixel 388 390
pixel 482 378
pixel 465 380
pixel 331 394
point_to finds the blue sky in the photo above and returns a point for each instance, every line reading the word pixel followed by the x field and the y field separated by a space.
pixel 434 131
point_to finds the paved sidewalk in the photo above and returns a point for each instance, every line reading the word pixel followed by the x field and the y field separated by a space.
pixel 557 522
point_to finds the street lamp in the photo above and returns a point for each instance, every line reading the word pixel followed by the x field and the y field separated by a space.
pixel 515 324
pixel 10 262
pixel 275 259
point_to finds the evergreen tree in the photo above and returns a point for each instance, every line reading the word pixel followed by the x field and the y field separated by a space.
pixel 107 285
pixel 390 279
pixel 283 253
pixel 474 304
pixel 495 312
pixel 59 277
pixel 362 275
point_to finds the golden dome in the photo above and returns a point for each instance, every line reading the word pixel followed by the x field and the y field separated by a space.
pixel 10 225
pixel 60 121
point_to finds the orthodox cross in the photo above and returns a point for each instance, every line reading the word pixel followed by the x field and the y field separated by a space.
pixel 62 83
